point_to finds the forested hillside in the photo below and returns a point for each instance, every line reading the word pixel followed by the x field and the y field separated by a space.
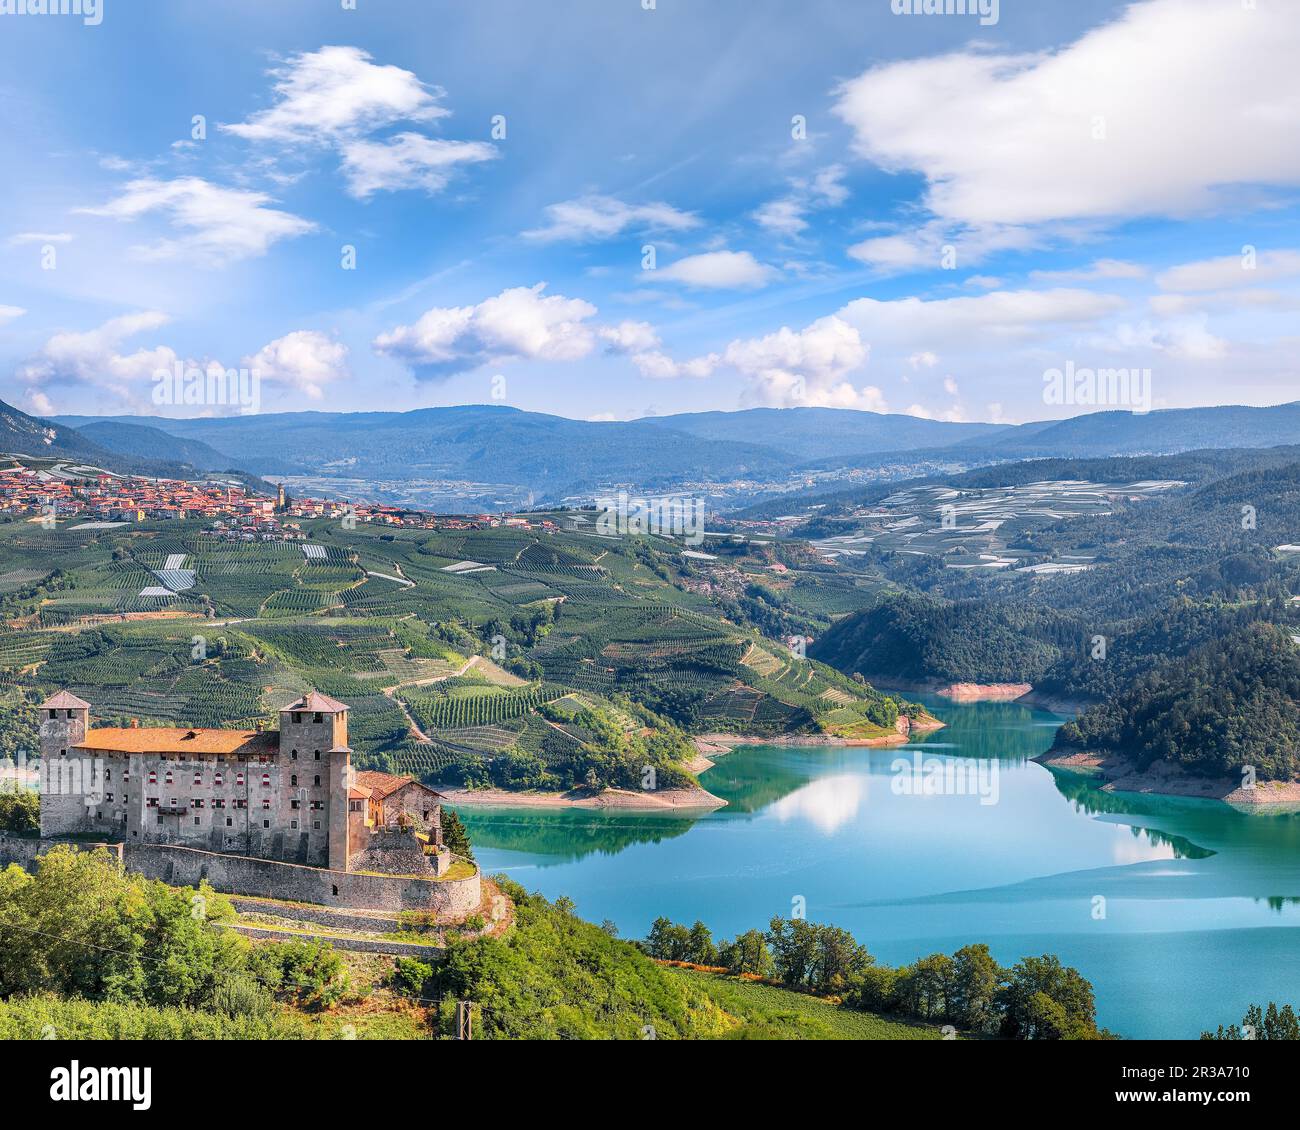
pixel 1231 703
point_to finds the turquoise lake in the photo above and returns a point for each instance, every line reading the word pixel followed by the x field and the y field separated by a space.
pixel 1180 912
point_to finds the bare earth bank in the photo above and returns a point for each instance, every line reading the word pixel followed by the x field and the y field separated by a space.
pixel 1123 776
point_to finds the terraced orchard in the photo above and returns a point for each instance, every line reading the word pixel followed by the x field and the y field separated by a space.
pixel 522 658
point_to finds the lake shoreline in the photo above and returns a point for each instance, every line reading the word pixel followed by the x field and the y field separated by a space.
pixel 967 692
pixel 709 746
pixel 1123 776
pixel 664 800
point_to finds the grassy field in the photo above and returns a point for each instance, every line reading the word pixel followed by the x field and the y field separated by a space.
pixel 773 1013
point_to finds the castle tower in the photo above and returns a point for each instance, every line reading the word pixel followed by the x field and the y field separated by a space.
pixel 65 774
pixel 314 738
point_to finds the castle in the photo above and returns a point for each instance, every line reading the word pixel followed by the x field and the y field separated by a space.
pixel 290 795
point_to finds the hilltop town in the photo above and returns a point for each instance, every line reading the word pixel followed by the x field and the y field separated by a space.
pixel 90 497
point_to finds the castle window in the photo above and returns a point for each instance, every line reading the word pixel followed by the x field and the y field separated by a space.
pixel 315 717
pixel 318 755
pixel 297 719
pixel 239 778
pixel 295 803
pixel 293 754
pixel 153 776
pixel 354 806
pixel 198 777
pixel 229 822
pixel 196 802
pixel 160 816
pixel 293 824
pixel 266 823
pixel 167 780
pixel 316 825
pixel 108 797
pixel 266 780
pixel 241 803
pixel 54 713
pixel 218 803
pixel 196 820
pixel 266 804
pixel 152 802
pixel 317 805
pixel 318 779
pixel 294 779
pixel 63 753
pixel 69 714
pixel 219 780
pixel 108 774
pixel 334 889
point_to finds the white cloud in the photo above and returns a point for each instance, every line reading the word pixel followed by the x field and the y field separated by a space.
pixel 657 366
pixel 787 215
pixel 716 270
pixel 22 237
pixel 408 160
pixel 93 358
pixel 9 313
pixel 808 367
pixel 603 217
pixel 518 323
pixel 1186 339
pixel 1099 270
pixel 339 98
pixel 305 360
pixel 630 337
pixel 950 386
pixel 937 244
pixel 1195 98
pixel 218 225
pixel 1231 271
pixel 788 368
pixel 999 317
pixel 336 93
pixel 924 359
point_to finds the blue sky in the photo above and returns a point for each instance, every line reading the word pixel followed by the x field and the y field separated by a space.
pixel 847 206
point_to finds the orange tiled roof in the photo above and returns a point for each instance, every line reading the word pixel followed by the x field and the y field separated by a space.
pixel 383 784
pixel 167 740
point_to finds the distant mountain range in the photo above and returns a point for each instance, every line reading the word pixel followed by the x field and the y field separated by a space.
pixel 124 448
pixel 553 457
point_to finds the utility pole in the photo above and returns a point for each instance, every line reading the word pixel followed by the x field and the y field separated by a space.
pixel 464 1020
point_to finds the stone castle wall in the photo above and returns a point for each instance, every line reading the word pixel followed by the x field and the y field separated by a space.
pixel 266 878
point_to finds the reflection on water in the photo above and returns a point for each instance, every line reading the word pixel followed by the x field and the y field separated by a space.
pixel 1187 884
